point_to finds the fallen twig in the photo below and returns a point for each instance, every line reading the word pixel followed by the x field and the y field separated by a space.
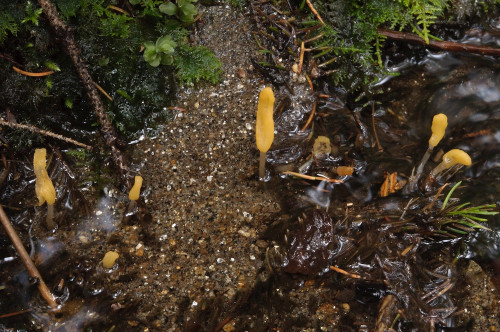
pixel 25 257
pixel 108 132
pixel 442 45
pixel 43 132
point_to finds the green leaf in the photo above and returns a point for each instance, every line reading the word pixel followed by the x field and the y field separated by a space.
pixel 165 44
pixel 134 2
pixel 150 55
pixel 187 12
pixel 167 59
pixel 168 8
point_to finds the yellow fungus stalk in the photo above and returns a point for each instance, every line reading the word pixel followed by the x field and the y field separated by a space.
pixel 264 129
pixel 44 188
pixel 134 193
pixel 438 128
pixel 452 158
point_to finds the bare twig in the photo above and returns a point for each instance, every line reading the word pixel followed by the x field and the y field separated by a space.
pixel 442 45
pixel 43 132
pixel 25 257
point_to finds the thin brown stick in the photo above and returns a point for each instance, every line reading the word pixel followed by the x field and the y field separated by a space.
pixel 344 272
pixel 102 91
pixel 315 12
pixel 301 58
pixel 311 116
pixel 25 257
pixel 442 45
pixel 11 314
pixel 309 177
pixel 379 147
pixel 43 132
pixel 431 204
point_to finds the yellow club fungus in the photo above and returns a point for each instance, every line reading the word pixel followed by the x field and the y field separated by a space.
pixel 44 188
pixel 264 129
pixel 438 128
pixel 452 158
pixel 439 124
pixel 109 259
pixel 133 195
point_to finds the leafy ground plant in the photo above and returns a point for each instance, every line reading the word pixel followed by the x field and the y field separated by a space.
pixel 462 218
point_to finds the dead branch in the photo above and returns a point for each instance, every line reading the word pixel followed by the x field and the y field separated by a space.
pixel 25 257
pixel 65 33
pixel 43 132
pixel 442 45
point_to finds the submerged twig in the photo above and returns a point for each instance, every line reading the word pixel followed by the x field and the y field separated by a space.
pixel 442 45
pixel 25 257
pixel 43 132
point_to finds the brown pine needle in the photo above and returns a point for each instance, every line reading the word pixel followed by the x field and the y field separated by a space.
pixel 315 12
pixel 25 257
pixel 310 82
pixel 11 314
pixel 118 9
pixel 102 91
pixel 379 147
pixel 311 116
pixel 431 204
pixel 27 73
pixel 339 270
pixel 44 132
pixel 309 177
pixel 301 58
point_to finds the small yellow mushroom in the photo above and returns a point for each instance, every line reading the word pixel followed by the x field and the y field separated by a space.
pixel 44 188
pixel 322 147
pixel 109 259
pixel 452 158
pixel 134 193
pixel 438 128
pixel 264 129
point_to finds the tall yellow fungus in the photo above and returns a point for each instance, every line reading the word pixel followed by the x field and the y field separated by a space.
pixel 264 129
pixel 44 188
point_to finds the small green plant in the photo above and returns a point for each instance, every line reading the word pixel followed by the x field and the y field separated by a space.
pixel 184 10
pixel 31 14
pixel 463 217
pixel 160 52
